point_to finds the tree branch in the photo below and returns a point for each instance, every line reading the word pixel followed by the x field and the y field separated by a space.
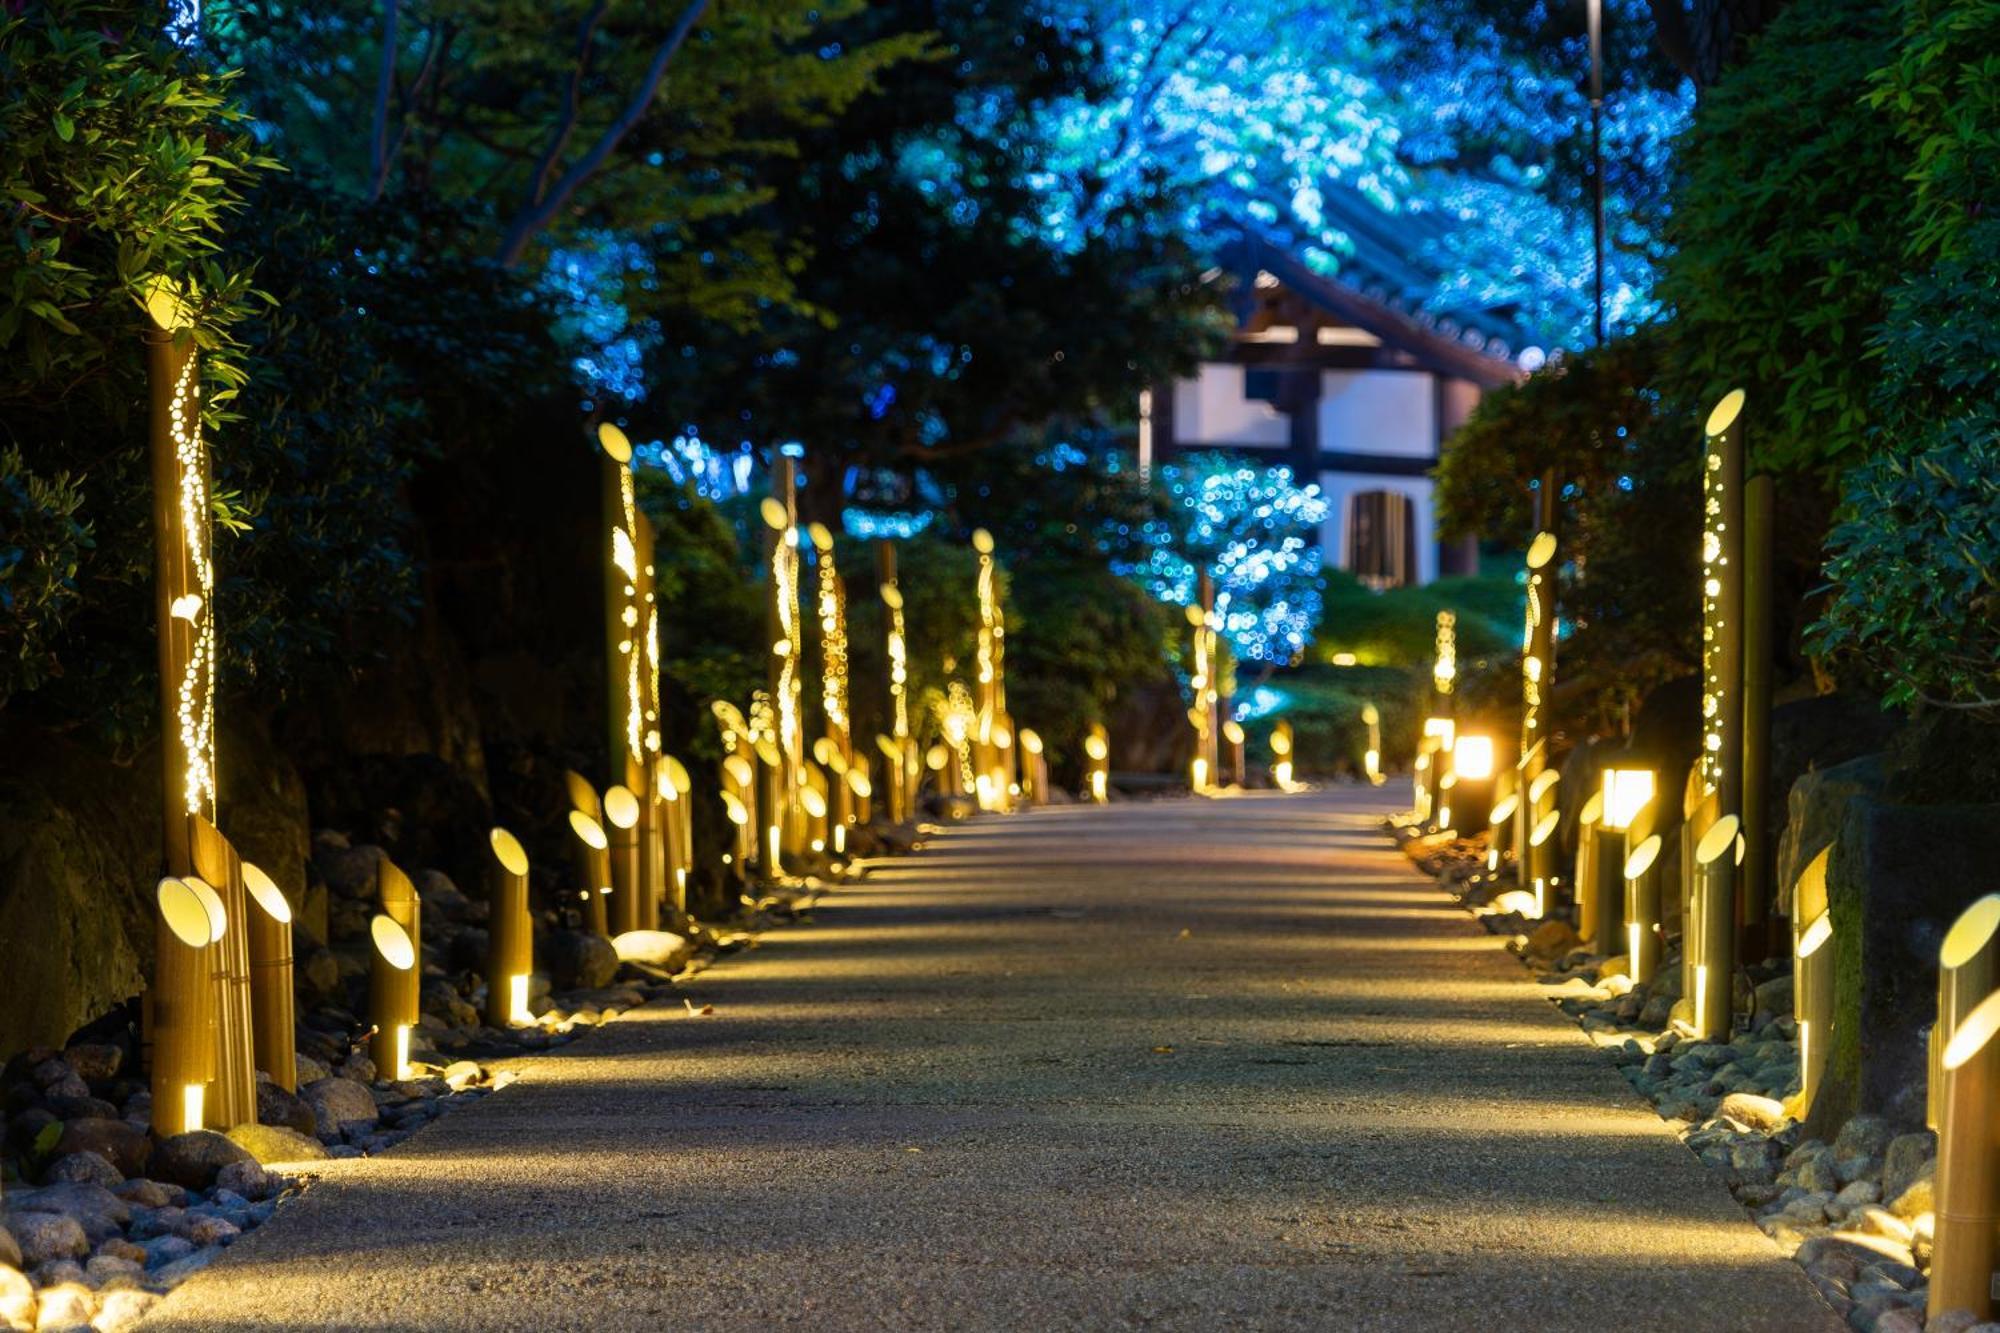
pixel 572 99
pixel 538 213
pixel 385 82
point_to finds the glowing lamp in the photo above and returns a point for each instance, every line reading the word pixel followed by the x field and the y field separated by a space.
pixel 1713 928
pixel 268 925
pixel 510 946
pixel 1626 793
pixel 1643 942
pixel 392 973
pixel 593 871
pixel 1968 968
pixel 1968 1166
pixel 183 1003
pixel 1472 757
pixel 1812 975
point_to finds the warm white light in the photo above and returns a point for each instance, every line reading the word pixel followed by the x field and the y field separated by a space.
pixel 1441 727
pixel 517 1001
pixel 1472 757
pixel 1626 792
pixel 192 1097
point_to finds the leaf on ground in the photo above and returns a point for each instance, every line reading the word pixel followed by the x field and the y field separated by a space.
pixel 1163 1050
pixel 693 1012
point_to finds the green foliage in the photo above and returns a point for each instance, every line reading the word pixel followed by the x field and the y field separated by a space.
pixel 1398 626
pixel 1913 562
pixel 42 545
pixel 1324 706
pixel 1782 233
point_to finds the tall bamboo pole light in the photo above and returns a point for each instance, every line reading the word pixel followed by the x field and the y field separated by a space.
pixel 1538 654
pixel 1627 793
pixel 787 684
pixel 1371 758
pixel 1755 897
pixel 676 790
pixel 268 923
pixel 510 948
pixel 1232 740
pixel 1585 869
pixel 738 774
pixel 1034 768
pixel 831 603
pixel 1713 946
pixel 1541 853
pixel 992 737
pixel 184 605
pixel 899 748
pixel 1205 684
pixel 1444 660
pixel 1281 755
pixel 772 793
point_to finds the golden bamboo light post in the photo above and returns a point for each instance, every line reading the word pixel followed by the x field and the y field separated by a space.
pixel 1034 768
pixel 1204 681
pixel 1645 938
pixel 1812 983
pixel 785 829
pixel 676 787
pixel 1097 764
pixel 395 976
pixel 1968 1167
pixel 1712 888
pixel 1538 653
pixel 1444 659
pixel 1232 742
pixel 1371 757
pixel 190 922
pixel 773 793
pixel 510 939
pixel 738 774
pixel 1473 763
pixel 621 833
pixel 831 603
pixel 1541 851
pixel 268 923
pixel 992 736
pixel 899 748
pixel 1584 872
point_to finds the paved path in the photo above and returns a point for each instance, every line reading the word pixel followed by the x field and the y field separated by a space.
pixel 1188 1065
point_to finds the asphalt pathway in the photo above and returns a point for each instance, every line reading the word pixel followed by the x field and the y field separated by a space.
pixel 1177 1064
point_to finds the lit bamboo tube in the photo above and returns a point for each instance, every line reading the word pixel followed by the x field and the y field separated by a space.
pixel 1584 873
pixel 1097 750
pixel 813 799
pixel 741 820
pixel 739 785
pixel 1714 933
pixel 1542 855
pixel 510 948
pixel 938 760
pixel 268 923
pixel 832 761
pixel 395 987
pixel 232 1100
pixel 1755 897
pixel 1500 824
pixel 392 990
pixel 772 803
pixel 652 832
pixel 1538 647
pixel 582 796
pixel 1968 968
pixel 1812 980
pixel 1232 738
pixel 677 786
pixel 894 775
pixel 861 785
pixel 1005 785
pixel 1643 941
pixel 913 775
pixel 1968 1168
pixel 1034 768
pixel 190 921
pixel 1627 794
pixel 1371 757
pixel 1698 810
pixel 1541 852
pixel 1281 755
pixel 593 871
pixel 621 815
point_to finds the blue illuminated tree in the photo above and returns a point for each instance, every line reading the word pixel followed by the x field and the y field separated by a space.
pixel 1250 528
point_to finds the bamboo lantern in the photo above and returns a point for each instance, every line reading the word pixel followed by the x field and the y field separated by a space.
pixel 621 814
pixel 1542 862
pixel 1968 1167
pixel 582 796
pixel 1371 757
pixel 1968 968
pixel 831 603
pixel 1722 569
pixel 593 871
pixel 989 782
pixel 678 787
pixel 1812 983
pixel 899 745
pixel 861 788
pixel 814 798
pixel 1627 792
pixel 1541 851
pixel 1500 820
pixel 268 923
pixel 832 763
pixel 510 949
pixel 1538 650
pixel 1034 768
pixel 739 803
pixel 772 803
pixel 232 1100
pixel 1714 929
pixel 786 632
pixel 395 976
pixel 189 924
pixel 1697 809
pixel 1585 870
pixel 1097 751
pixel 1233 737
pixel 1644 941
pixel 1281 755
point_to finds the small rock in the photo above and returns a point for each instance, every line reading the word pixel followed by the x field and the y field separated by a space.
pixel 1857 1193
pixel 124 1145
pixel 120 1248
pixel 186 1266
pixel 95 1061
pixel 1953 1321
pixel 212 1230
pixel 1917 1197
pixel 460 1074
pixel 336 1101
pixel 85 1168
pixel 1878 1221
pixel 121 1310
pixel 44 1237
pixel 1772 999
pixel 66 1305
pixel 1904 1159
pixel 275 1106
pixel 17 1299
pixel 250 1180
pixel 150 1193
pixel 101 1268
pixel 192 1159
pixel 1864 1135
pixel 1901 1319
pixel 56 1272
pixel 578 959
pixel 1751 1111
pixel 163 1250
pixel 308 1070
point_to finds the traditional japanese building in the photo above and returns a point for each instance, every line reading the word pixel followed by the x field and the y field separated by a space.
pixel 1350 382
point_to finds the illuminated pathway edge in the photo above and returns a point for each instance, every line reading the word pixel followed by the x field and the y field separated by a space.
pixel 1178 1064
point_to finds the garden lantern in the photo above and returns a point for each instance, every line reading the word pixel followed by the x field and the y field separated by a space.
pixel 232 1098
pixel 1812 975
pixel 1034 768
pixel 1472 769
pixel 1371 758
pixel 1626 794
pixel 621 817
pixel 392 996
pixel 1097 751
pixel 1541 855
pixel 1585 871
pixel 1968 1167
pixel 1281 755
pixel 268 923
pixel 189 923
pixel 510 940
pixel 1968 968
pixel 593 871
pixel 1712 930
pixel 1232 737
pixel 1644 942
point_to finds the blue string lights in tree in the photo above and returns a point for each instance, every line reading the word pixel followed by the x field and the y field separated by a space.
pixel 1251 528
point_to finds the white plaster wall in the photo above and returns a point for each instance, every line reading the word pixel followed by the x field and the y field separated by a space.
pixel 1211 409
pixel 1389 412
pixel 1338 487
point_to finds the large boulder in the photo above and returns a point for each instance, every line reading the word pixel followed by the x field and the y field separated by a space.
pixel 579 960
pixel 1814 807
pixel 336 1102
pixel 1897 878
pixel 119 1142
pixel 275 1106
pixel 275 1143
